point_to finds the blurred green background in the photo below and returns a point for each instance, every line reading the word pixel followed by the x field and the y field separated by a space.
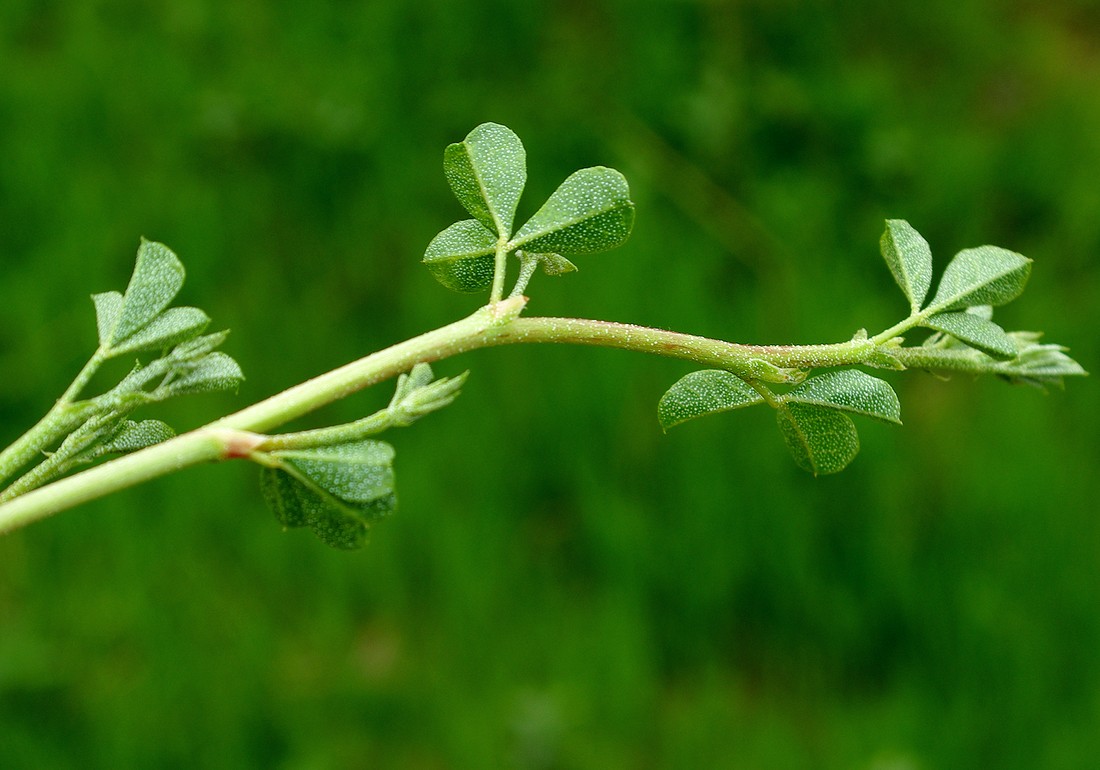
pixel 564 586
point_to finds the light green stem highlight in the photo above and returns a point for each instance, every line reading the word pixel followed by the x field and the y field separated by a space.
pixel 239 434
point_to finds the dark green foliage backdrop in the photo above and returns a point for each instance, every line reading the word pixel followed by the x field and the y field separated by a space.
pixel 563 587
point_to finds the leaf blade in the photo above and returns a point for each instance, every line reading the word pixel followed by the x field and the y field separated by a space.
pixel 157 278
pixel 821 440
pixel 487 172
pixel 909 258
pixel 850 390
pixel 591 211
pixel 707 391
pixel 173 326
pixel 975 331
pixel 986 275
pixel 462 256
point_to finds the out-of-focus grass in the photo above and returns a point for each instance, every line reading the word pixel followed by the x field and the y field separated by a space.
pixel 563 587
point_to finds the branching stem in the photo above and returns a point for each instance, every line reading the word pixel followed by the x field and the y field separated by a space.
pixel 498 323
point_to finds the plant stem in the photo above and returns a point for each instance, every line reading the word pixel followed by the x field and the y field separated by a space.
pixel 63 418
pixel 495 324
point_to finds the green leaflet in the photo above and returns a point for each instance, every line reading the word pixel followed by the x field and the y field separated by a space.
pixel 357 473
pixel 130 436
pixel 108 309
pixel 986 275
pixel 820 439
pixel 336 490
pixel 174 325
pixel 214 371
pixel 975 331
pixel 909 259
pixel 704 392
pixel 1037 363
pixel 462 256
pixel 849 390
pixel 487 171
pixel 157 278
pixel 591 211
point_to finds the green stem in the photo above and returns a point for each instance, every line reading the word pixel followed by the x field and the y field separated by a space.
pixel 495 324
pixel 64 417
pixel 500 270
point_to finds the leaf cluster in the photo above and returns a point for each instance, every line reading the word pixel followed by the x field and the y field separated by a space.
pixel 335 480
pixel 814 417
pixel 139 320
pixel 590 211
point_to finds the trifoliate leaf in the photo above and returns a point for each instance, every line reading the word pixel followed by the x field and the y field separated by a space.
pixel 487 172
pixel 173 326
pixel 131 436
pixel 821 440
pixel 591 211
pixel 704 392
pixel 157 278
pixel 975 331
pixel 336 491
pixel 215 371
pixel 987 275
pixel 909 259
pixel 849 390
pixel 462 257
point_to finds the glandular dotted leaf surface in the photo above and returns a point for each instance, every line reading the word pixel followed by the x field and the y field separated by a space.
pixel 132 436
pixel 975 331
pixel 462 257
pixel 487 172
pixel 850 390
pixel 356 473
pixel 157 278
pixel 704 392
pixel 986 275
pixel 591 211
pixel 335 490
pixel 909 258
pixel 214 371
pixel 820 439
pixel 173 326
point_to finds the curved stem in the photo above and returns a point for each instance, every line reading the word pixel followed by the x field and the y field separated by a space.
pixel 495 324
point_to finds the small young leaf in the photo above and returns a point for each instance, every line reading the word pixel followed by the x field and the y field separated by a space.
pixel 975 331
pixel 850 390
pixel 192 350
pixel 173 326
pixel 909 259
pixel 131 436
pixel 462 257
pixel 1039 364
pixel 821 440
pixel 987 275
pixel 108 308
pixel 487 172
pixel 215 371
pixel 591 211
pixel 555 264
pixel 704 392
pixel 157 279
